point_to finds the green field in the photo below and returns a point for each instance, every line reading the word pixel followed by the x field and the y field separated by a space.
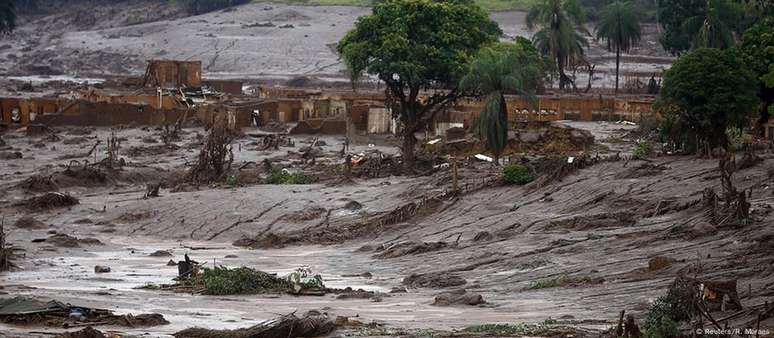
pixel 492 5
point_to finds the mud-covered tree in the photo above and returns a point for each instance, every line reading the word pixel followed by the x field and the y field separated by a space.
pixel 7 16
pixel 504 68
pixel 709 90
pixel 560 33
pixel 619 25
pixel 420 49
pixel 757 53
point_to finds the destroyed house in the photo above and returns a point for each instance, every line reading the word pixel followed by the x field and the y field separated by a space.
pixel 173 74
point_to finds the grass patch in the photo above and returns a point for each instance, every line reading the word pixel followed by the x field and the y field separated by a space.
pixel 550 283
pixel 279 176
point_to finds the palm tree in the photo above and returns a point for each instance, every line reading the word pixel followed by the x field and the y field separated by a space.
pixel 620 26
pixel 7 16
pixel 561 34
pixel 497 70
pixel 712 28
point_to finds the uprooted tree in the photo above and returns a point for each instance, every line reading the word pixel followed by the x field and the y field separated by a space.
pixel 419 49
pixel 215 157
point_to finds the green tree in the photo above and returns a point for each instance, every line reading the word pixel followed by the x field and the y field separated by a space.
pixel 420 49
pixel 619 25
pixel 715 25
pixel 690 24
pixel 709 90
pixel 561 34
pixel 671 16
pixel 757 52
pixel 504 68
pixel 7 16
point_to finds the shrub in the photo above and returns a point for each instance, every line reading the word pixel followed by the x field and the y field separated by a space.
pixel 224 281
pixel 642 150
pixel 516 174
pixel 280 176
pixel 668 310
pixel 232 181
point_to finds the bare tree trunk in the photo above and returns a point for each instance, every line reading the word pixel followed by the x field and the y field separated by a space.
pixel 407 149
pixel 617 67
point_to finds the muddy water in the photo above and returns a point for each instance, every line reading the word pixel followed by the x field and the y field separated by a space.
pixel 69 276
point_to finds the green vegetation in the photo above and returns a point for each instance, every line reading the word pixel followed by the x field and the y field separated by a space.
pixel 232 181
pixel 690 24
pixel 516 174
pixel 224 281
pixel 416 46
pixel 279 176
pixel 7 16
pixel 667 311
pixel 642 151
pixel 520 329
pixel 560 33
pixel 705 92
pixel 756 51
pixel 619 25
pixel 497 70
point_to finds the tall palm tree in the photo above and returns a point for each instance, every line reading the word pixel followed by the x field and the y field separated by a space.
pixel 713 27
pixel 498 70
pixel 561 34
pixel 7 16
pixel 620 26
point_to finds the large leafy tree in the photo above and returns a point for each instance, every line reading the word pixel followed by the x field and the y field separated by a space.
pixel 7 16
pixel 757 52
pixel 671 16
pixel 619 25
pixel 709 90
pixel 560 33
pixel 690 24
pixel 419 49
pixel 504 68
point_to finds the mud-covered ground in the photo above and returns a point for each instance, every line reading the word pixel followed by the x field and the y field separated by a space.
pixel 594 231
pixel 257 41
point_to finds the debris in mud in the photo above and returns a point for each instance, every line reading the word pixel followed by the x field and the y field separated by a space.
pixel 87 332
pixel 26 310
pixel 101 269
pixel 10 155
pixel 604 220
pixel 659 263
pixel 49 200
pixel 39 183
pixel 311 324
pixel 29 222
pixel 153 150
pixel 6 251
pixel 410 248
pixel 349 293
pixel 564 280
pixel 433 280
pixel 307 214
pixel 642 170
pixel 458 297
pixel 160 253
pixel 67 241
